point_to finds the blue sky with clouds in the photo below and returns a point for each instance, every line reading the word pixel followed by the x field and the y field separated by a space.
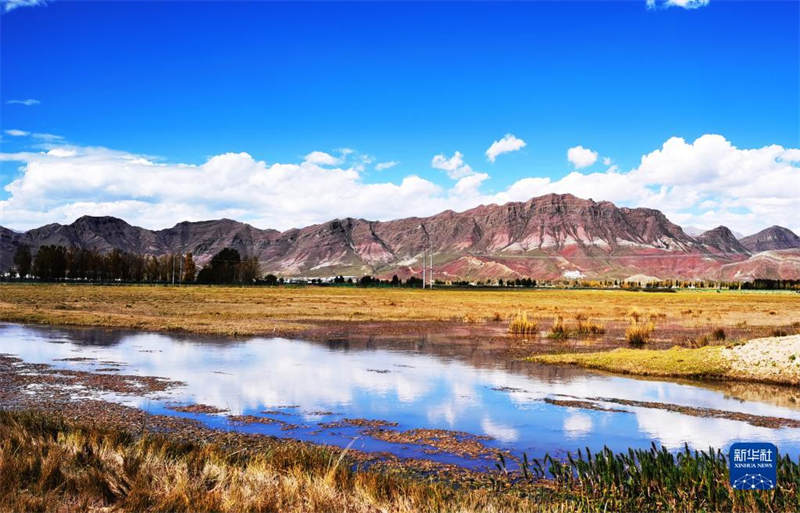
pixel 404 99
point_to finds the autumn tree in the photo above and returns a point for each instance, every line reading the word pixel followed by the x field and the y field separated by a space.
pixel 189 268
pixel 249 270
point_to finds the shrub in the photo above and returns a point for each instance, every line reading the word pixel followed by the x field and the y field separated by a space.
pixel 718 334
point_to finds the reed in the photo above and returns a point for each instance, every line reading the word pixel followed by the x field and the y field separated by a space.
pixel 655 479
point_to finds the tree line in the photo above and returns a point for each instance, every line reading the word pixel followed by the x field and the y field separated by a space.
pixel 53 263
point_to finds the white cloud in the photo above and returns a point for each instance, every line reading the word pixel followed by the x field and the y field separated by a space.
pixel 17 133
pixel 455 167
pixel 581 157
pixel 706 182
pixel 321 158
pixel 686 4
pixel 10 5
pixel 46 137
pixel 607 161
pixel 499 431
pixel 380 166
pixel 69 181
pixel 28 102
pixel 577 424
pixel 507 144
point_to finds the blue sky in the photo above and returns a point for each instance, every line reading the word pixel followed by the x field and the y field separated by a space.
pixel 181 82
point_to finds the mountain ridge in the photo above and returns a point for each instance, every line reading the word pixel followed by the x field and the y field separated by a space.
pixel 545 237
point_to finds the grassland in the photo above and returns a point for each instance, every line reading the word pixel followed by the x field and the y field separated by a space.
pixel 286 310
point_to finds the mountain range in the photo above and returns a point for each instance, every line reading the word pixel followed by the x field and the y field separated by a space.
pixel 546 237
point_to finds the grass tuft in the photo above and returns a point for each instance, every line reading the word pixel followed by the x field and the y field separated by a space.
pixel 558 330
pixel 588 327
pixel 521 325
pixel 638 333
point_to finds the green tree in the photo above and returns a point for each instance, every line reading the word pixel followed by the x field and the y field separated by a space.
pixel 22 260
pixel 50 263
pixel 222 268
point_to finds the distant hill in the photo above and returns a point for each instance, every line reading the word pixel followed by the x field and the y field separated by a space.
pixel 547 237
pixel 723 240
pixel 695 231
pixel 774 237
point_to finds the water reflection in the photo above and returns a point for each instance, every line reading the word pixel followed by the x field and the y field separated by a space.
pixel 410 386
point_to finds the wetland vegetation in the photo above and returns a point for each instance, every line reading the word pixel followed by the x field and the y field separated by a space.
pixel 48 462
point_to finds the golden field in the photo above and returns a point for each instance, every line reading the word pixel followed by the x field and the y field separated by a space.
pixel 286 310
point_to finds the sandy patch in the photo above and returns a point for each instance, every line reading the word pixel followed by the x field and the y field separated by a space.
pixel 774 359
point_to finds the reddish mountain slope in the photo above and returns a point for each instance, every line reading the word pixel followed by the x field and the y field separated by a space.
pixel 546 238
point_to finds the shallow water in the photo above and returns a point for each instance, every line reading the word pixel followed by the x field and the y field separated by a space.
pixel 309 383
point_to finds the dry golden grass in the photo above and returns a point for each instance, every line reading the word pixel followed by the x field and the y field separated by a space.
pixel 265 310
pixel 49 465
